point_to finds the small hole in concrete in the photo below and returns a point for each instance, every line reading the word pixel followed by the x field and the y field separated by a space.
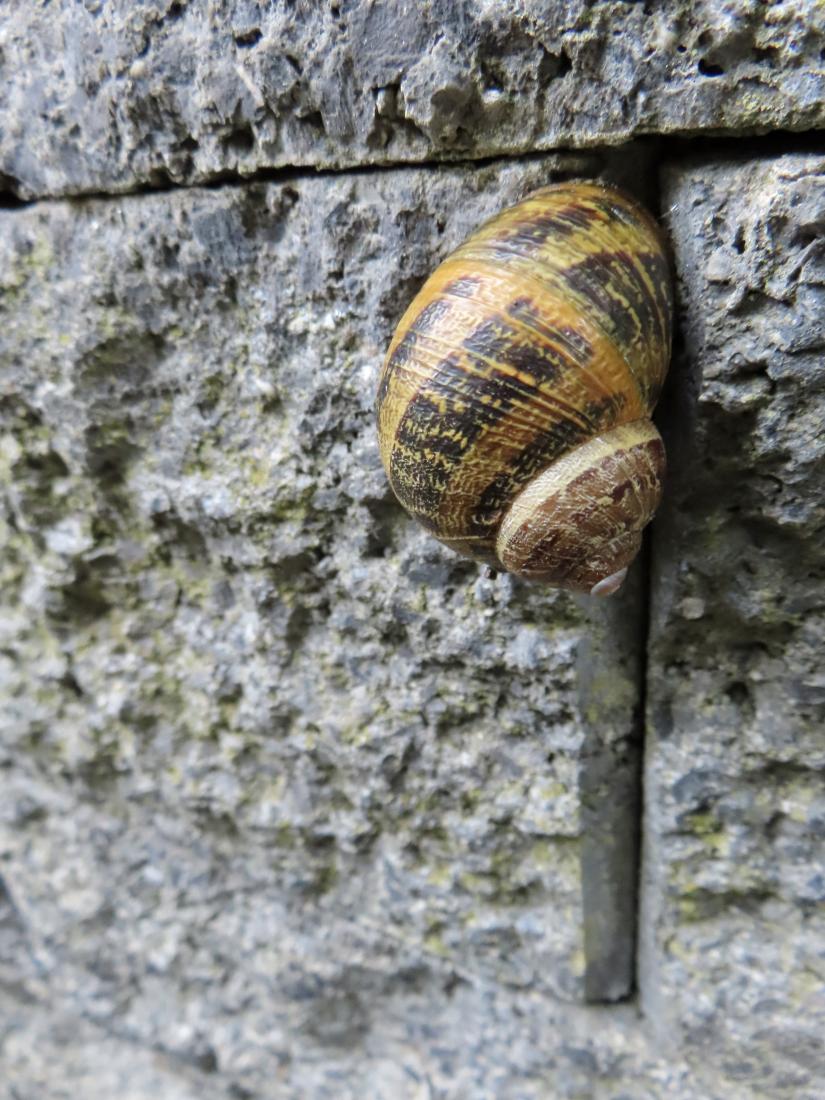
pixel 706 69
pixel 245 39
pixel 242 140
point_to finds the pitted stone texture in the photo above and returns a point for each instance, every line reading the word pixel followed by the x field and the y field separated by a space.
pixel 55 1056
pixel 110 96
pixel 288 790
pixel 733 917
pixel 427 1043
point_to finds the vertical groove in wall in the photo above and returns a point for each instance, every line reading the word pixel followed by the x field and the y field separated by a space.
pixel 611 691
pixel 643 816
pixel 642 747
pixel 612 686
pixel 673 415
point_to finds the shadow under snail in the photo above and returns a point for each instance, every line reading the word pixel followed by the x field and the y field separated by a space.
pixel 515 399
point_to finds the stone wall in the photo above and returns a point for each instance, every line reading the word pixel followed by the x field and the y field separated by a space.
pixel 293 802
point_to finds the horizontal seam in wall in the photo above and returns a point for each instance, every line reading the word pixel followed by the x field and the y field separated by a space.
pixel 674 146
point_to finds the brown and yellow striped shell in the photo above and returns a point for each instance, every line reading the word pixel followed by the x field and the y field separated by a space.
pixel 515 399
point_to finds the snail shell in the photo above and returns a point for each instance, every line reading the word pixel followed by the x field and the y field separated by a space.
pixel 515 399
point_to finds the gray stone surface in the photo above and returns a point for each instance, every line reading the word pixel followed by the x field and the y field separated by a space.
pixel 293 800
pixel 105 96
pixel 294 804
pixel 733 917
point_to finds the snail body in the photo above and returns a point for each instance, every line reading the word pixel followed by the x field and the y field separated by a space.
pixel 515 398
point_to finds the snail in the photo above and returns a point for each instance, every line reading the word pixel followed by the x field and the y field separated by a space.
pixel 515 398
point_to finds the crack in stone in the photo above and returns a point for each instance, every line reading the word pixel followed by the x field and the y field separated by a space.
pixel 673 146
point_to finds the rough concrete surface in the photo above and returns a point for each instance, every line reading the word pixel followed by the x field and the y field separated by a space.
pixel 101 96
pixel 294 804
pixel 291 795
pixel 733 916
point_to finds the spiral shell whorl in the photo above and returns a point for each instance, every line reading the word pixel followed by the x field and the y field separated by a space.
pixel 549 327
pixel 581 520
